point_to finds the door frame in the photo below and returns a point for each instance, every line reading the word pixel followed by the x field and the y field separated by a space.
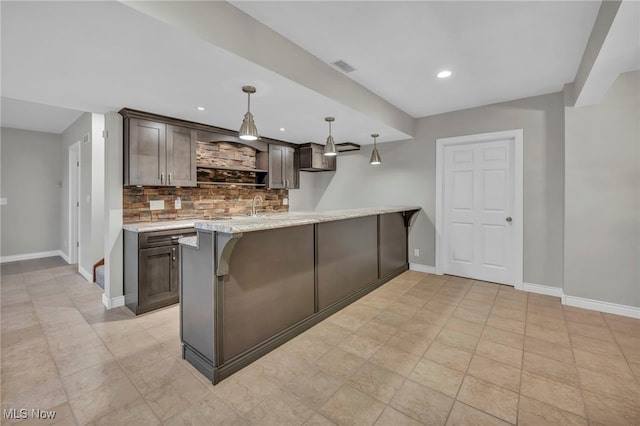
pixel 517 137
pixel 74 203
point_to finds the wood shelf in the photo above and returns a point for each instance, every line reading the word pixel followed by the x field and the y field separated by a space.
pixel 234 169
pixel 231 183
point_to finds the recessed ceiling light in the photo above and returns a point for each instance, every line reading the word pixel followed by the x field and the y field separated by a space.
pixel 200 108
pixel 444 74
pixel 282 129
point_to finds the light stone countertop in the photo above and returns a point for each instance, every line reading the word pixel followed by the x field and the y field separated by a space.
pixel 283 220
pixel 261 222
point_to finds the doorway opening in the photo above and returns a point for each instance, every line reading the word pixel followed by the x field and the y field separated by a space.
pixel 73 237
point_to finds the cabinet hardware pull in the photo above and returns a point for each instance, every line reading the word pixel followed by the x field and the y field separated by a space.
pixel 176 237
pixel 161 178
pixel 169 181
pixel 174 253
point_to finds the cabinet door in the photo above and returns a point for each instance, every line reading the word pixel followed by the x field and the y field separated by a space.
pixel 158 275
pixel 146 153
pixel 290 168
pixel 181 156
pixel 276 166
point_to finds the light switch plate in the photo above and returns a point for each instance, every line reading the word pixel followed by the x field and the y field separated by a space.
pixel 3 201
pixel 178 203
pixel 156 205
pixel 285 201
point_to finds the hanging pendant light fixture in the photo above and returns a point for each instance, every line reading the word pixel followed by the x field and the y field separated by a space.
pixel 375 157
pixel 330 146
pixel 248 130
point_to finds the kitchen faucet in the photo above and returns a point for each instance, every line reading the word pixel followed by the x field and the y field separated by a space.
pixel 253 204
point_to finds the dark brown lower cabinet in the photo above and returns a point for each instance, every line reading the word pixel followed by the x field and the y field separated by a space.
pixel 151 269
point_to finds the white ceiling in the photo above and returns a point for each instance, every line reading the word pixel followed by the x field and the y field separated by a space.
pixel 102 56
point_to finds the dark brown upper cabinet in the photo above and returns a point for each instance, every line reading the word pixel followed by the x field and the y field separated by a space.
pixel 312 158
pixel 158 154
pixel 283 168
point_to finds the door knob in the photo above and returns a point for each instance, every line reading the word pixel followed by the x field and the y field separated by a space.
pixel 509 219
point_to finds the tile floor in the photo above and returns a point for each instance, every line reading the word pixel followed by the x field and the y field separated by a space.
pixel 422 349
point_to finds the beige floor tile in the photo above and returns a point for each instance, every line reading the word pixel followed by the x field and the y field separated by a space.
pixel 552 392
pixel 506 324
pixel 281 367
pixel 464 415
pixel 441 305
pixel 137 412
pixel 492 399
pixel 392 417
pixel 45 396
pixel 318 420
pixel 422 403
pixel 307 348
pixel 478 316
pixel 348 321
pixel 410 343
pixel 339 363
pixel 583 316
pixel 459 340
pixel 246 389
pixel 501 353
pixel 395 360
pixel 555 336
pixel 136 361
pixel 103 400
pixel 508 313
pixel 404 309
pixel 313 387
pixel 83 358
pixel 349 406
pixel 280 409
pixel 592 331
pixel 360 346
pixel 157 375
pixel 392 319
pixel 329 333
pixel 609 411
pixel 435 318
pixel 209 411
pixel 420 329
pixel 503 337
pixel 605 363
pixel 437 376
pixel 175 396
pixel 597 347
pixel 495 372
pixel 547 349
pixel 614 387
pixel 91 378
pixel 564 372
pixel 449 356
pixel 377 331
pixel 20 376
pixel 376 381
pixel 463 326
pixel 536 413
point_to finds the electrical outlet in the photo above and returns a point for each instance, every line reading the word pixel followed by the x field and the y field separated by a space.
pixel 156 205
pixel 416 252
pixel 285 201
pixel 178 203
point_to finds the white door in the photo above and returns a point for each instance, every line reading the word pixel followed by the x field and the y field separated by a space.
pixel 478 209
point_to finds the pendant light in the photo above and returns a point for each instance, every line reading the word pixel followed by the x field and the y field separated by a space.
pixel 330 146
pixel 375 157
pixel 248 130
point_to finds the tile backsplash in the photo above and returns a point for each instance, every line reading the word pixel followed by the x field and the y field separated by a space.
pixel 203 202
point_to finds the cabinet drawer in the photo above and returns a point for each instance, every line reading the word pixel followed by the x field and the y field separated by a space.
pixel 163 238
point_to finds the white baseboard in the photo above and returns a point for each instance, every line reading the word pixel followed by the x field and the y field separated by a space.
pixel 114 302
pixel 29 256
pixel 85 274
pixel 422 268
pixel 580 302
pixel 597 305
pixel 542 289
pixel 64 257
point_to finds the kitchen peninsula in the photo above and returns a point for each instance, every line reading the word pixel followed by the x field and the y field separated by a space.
pixel 250 284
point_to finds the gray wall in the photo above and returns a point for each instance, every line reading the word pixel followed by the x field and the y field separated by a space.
pixel 602 202
pixel 31 174
pixel 407 177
